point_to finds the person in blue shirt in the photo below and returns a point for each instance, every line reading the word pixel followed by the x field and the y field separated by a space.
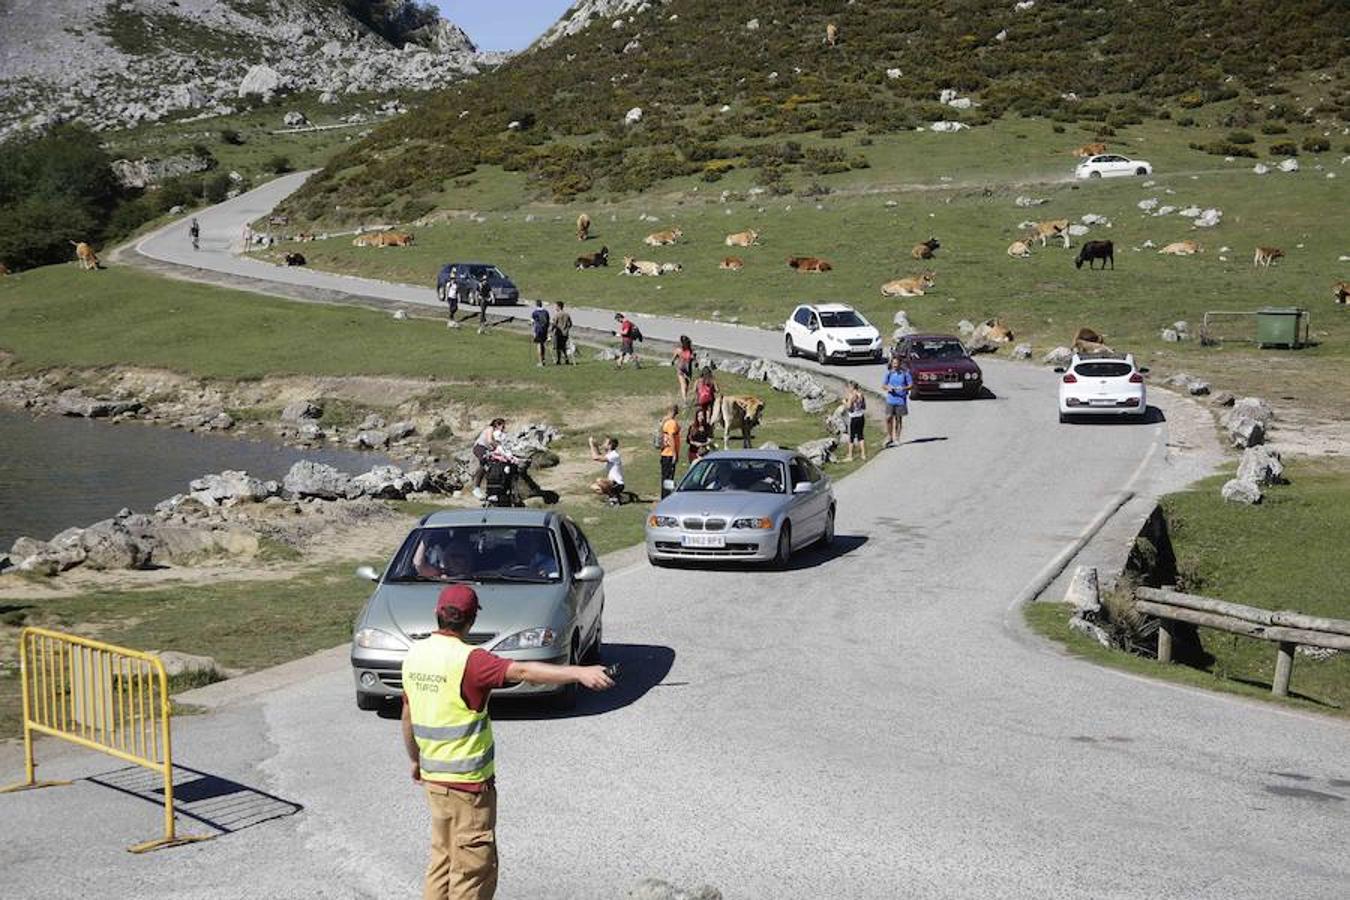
pixel 539 319
pixel 896 384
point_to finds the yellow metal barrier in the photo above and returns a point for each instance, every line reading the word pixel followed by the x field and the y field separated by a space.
pixel 103 697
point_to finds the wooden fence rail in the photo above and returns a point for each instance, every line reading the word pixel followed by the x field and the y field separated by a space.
pixel 1286 629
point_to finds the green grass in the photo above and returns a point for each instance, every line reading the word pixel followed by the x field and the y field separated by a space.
pixel 1044 299
pixel 1286 553
pixel 241 625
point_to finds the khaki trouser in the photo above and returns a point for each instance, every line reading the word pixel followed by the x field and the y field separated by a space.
pixel 463 844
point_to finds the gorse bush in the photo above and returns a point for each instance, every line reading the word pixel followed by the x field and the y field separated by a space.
pixel 701 78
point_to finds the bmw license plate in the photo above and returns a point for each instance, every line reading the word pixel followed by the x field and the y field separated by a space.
pixel 950 385
pixel 703 540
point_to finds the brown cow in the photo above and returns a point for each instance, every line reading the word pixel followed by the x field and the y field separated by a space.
pixel 4 270
pixel 1181 248
pixel 583 227
pixel 1019 250
pixel 832 34
pixel 85 254
pixel 305 237
pixel 1088 341
pixel 1341 291
pixel 383 239
pixel 926 249
pixel 640 267
pixel 1094 149
pixel 809 264
pixel 740 413
pixel 909 287
pixel 1264 256
pixel 662 238
pixel 1054 228
pixel 732 264
pixel 743 238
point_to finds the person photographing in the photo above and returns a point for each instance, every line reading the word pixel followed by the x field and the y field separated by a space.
pixel 896 384
pixel 447 735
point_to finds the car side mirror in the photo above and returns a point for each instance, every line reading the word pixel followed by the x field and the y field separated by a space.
pixel 368 573
pixel 589 573
pixel 802 487
pixel 1059 370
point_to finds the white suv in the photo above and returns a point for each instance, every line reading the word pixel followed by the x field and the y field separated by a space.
pixel 1111 165
pixel 830 331
pixel 1102 386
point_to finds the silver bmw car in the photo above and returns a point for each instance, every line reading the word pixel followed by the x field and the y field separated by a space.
pixel 754 505
pixel 538 581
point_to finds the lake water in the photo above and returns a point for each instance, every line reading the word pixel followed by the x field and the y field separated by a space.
pixel 56 472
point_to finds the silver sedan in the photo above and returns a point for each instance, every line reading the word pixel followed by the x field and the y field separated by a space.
pixel 537 578
pixel 750 505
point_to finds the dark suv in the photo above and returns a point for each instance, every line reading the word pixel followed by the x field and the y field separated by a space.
pixel 466 275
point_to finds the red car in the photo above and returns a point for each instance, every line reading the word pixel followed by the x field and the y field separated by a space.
pixel 940 366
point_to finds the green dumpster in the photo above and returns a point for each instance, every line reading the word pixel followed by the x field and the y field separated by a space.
pixel 1280 326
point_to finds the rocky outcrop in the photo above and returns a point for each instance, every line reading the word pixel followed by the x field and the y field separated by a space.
pixel 134 62
pixel 140 173
pixel 586 13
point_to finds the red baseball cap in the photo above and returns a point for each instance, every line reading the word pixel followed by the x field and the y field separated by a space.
pixel 458 596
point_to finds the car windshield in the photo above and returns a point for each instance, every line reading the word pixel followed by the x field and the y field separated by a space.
pixel 947 349
pixel 477 272
pixel 477 553
pixel 845 319
pixel 1103 369
pixel 761 476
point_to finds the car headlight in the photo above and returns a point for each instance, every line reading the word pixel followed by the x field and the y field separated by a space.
pixel 662 521
pixel 753 522
pixel 971 376
pixel 529 639
pixel 375 639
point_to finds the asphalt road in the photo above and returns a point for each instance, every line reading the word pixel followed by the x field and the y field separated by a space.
pixel 876 723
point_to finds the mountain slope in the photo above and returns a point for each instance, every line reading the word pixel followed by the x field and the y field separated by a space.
pixel 110 64
pixel 705 74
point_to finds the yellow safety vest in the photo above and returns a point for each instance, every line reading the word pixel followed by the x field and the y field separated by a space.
pixel 455 742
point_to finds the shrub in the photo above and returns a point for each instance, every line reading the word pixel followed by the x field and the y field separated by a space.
pixel 278 164
pixel 1186 121
pixel 1284 148
pixel 1224 148
pixel 1273 128
pixel 230 136
pixel 1057 128
pixel 1240 137
pixel 216 187
pixel 1316 144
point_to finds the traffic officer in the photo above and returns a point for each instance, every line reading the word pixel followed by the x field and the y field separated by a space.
pixel 448 738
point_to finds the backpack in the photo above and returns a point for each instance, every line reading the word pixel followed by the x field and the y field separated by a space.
pixel 658 439
pixel 635 333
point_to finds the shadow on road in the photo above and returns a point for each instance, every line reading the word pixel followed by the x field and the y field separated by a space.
pixel 1152 416
pixel 924 440
pixel 642 667
pixel 219 803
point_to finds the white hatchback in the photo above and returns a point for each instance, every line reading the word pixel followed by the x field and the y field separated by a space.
pixel 830 331
pixel 1102 386
pixel 1111 165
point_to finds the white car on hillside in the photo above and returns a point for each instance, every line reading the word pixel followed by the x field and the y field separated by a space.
pixel 1102 386
pixel 1112 165
pixel 829 332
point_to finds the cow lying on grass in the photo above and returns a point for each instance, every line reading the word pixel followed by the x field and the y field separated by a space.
pixel 593 260
pixel 809 264
pixel 909 287
pixel 1181 248
pixel 926 249
pixel 732 264
pixel 743 238
pixel 1019 250
pixel 640 267
pixel 662 238
pixel 383 239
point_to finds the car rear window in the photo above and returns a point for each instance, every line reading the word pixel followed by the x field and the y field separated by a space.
pixel 1103 369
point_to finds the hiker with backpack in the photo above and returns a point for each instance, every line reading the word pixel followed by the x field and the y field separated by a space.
pixel 628 333
pixel 705 393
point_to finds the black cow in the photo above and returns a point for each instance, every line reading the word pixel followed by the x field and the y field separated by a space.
pixel 1094 250
pixel 295 259
pixel 594 260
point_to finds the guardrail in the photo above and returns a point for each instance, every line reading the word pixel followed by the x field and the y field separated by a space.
pixel 1287 629
pixel 101 697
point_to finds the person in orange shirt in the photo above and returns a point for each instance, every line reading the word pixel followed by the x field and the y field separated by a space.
pixel 670 449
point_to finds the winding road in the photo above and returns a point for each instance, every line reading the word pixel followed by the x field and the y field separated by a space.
pixel 875 723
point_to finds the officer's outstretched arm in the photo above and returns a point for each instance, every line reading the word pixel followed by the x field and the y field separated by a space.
pixel 592 677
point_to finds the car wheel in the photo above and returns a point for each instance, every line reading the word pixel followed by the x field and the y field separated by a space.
pixel 784 554
pixel 1141 171
pixel 788 347
pixel 820 355
pixel 1094 174
pixel 593 652
pixel 566 697
pixel 368 702
pixel 827 536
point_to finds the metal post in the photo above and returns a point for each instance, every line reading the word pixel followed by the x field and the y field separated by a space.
pixel 1284 667
pixel 168 754
pixel 1165 638
pixel 28 765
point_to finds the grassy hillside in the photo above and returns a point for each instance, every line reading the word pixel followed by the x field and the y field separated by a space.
pixel 710 88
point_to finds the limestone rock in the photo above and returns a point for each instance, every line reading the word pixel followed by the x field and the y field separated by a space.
pixel 301 410
pixel 310 479
pixel 230 487
pixel 1261 465
pixel 655 889
pixel 295 119
pixel 1247 421
pixel 1239 491
pixel 1084 593
pixel 177 663
pixel 383 482
pixel 73 403
pixel 1022 351
pixel 264 81
pixel 1060 356
pixel 109 545
pixel 1289 165
pixel 819 451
